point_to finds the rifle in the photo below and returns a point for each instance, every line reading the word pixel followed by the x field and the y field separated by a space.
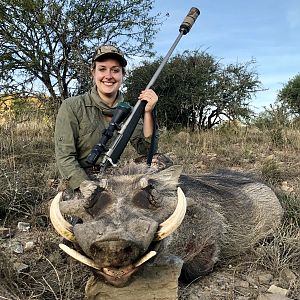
pixel 113 154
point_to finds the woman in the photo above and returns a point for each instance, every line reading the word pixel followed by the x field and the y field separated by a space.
pixel 82 119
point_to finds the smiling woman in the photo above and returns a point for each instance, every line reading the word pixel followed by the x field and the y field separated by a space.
pixel 108 76
pixel 108 70
pixel 82 119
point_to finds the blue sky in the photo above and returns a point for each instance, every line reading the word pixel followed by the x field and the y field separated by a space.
pixel 237 31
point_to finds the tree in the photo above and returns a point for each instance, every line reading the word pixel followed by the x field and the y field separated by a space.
pixel 290 94
pixel 45 45
pixel 276 116
pixel 196 90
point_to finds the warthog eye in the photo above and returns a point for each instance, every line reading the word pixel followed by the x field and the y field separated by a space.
pixel 147 198
pixel 101 200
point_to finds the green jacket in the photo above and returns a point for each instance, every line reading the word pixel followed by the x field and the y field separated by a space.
pixel 79 125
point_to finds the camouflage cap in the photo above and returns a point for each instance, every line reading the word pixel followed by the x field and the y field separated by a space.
pixel 108 51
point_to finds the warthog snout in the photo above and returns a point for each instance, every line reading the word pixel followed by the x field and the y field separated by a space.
pixel 121 252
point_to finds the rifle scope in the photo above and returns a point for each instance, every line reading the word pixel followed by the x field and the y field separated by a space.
pixel 120 113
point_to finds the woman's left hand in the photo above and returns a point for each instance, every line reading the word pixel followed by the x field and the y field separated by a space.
pixel 150 96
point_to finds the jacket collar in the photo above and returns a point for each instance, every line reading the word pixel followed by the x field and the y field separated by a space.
pixel 97 101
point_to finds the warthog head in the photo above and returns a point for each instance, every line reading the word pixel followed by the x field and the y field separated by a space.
pixel 124 227
pixel 135 210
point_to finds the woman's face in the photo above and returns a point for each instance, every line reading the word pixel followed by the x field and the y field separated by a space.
pixel 108 76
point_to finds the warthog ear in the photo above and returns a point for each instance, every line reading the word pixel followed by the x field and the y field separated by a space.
pixel 167 178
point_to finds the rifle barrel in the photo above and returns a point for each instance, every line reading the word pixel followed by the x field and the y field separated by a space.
pixel 130 124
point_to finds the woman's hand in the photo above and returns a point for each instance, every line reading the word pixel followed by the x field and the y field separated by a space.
pixel 150 96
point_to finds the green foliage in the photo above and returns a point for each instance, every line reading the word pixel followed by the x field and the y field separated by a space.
pixel 276 116
pixel 46 45
pixel 290 94
pixel 282 126
pixel 195 90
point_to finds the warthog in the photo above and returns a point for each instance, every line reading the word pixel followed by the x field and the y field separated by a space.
pixel 143 213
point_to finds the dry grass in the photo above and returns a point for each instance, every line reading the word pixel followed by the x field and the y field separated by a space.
pixel 282 251
pixel 28 178
pixel 26 163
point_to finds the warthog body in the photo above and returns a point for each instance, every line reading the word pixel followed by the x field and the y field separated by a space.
pixel 226 214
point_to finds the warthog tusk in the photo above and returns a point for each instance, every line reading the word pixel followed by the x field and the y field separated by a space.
pixel 64 228
pixel 119 272
pixel 76 255
pixel 146 257
pixel 114 272
pixel 172 223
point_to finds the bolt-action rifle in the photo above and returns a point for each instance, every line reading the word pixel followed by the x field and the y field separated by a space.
pixel 112 156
